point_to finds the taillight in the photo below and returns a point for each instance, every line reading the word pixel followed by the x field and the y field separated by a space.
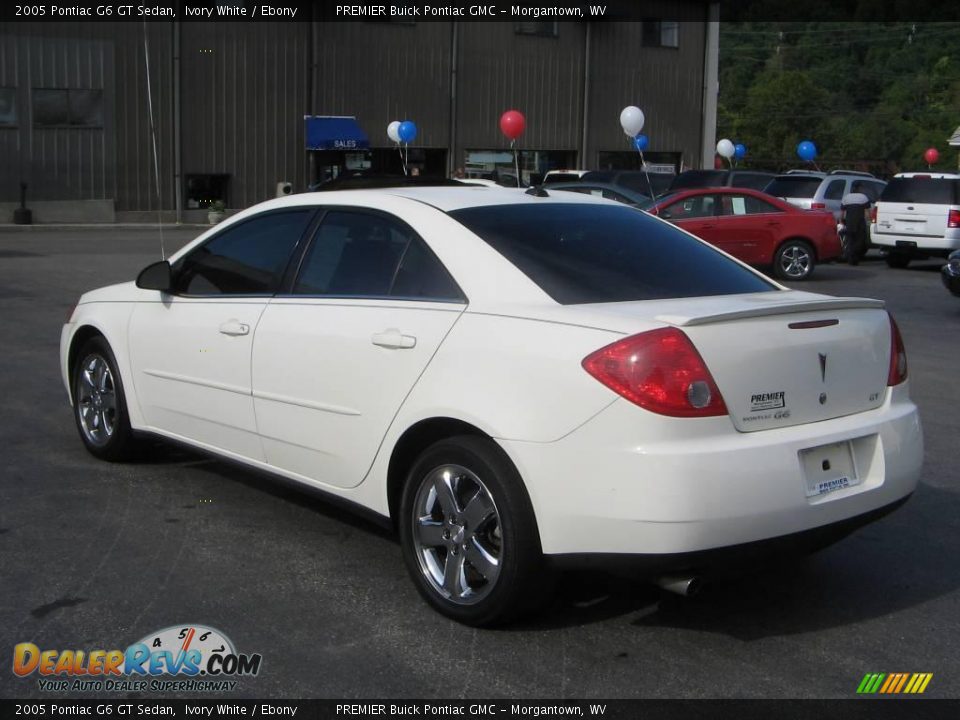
pixel 873 214
pixel 661 371
pixel 818 206
pixel 953 219
pixel 898 355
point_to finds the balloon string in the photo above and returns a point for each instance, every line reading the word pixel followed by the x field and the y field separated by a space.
pixel 516 162
pixel 402 161
pixel 643 164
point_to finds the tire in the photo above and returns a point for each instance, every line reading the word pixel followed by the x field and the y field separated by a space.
pixel 99 403
pixel 897 260
pixel 794 260
pixel 472 549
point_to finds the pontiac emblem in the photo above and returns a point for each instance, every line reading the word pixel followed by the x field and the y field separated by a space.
pixel 823 367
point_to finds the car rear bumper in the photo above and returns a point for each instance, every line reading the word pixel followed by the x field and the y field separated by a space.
pixel 625 485
pixel 717 560
pixel 939 244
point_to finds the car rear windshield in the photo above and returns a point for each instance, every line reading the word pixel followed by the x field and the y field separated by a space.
pixel 587 253
pixel 935 191
pixel 793 187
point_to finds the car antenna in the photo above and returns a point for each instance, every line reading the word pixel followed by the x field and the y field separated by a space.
pixel 537 191
pixel 153 134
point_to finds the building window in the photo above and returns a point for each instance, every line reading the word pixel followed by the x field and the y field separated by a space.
pixel 57 107
pixel 542 29
pixel 661 33
pixel 8 107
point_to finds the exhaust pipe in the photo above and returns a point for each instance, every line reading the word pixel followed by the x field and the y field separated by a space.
pixel 686 586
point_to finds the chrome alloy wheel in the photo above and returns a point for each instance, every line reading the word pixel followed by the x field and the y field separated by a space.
pixel 96 400
pixel 456 534
pixel 795 262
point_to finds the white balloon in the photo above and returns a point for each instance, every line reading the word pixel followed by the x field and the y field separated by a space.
pixel 393 131
pixel 726 149
pixel 631 120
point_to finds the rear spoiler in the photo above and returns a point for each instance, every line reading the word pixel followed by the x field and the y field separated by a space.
pixel 773 308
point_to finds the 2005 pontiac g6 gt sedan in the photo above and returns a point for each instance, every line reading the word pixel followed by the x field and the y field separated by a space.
pixel 516 380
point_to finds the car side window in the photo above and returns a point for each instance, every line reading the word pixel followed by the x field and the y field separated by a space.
pixel 696 206
pixel 745 205
pixel 356 254
pixel 248 258
pixel 834 190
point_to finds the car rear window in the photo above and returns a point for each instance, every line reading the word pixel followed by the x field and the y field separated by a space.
pixel 586 253
pixel 935 191
pixel 561 177
pixel 793 187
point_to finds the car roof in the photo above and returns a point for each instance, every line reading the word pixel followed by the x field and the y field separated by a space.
pixel 931 175
pixel 446 199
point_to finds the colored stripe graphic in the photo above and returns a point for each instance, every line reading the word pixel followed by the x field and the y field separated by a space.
pixel 894 683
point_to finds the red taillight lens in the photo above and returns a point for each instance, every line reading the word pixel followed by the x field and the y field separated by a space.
pixel 661 371
pixel 898 355
pixel 953 219
pixel 818 206
pixel 873 214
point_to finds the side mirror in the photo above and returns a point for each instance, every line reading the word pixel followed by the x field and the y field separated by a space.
pixel 665 214
pixel 156 277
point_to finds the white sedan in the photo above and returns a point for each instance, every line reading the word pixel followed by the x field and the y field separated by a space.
pixel 513 379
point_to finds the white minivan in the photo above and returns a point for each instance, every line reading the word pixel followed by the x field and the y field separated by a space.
pixel 917 216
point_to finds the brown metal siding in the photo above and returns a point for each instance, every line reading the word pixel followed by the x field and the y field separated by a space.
pixel 666 83
pixel 382 72
pixel 540 76
pixel 60 163
pixel 135 187
pixel 243 96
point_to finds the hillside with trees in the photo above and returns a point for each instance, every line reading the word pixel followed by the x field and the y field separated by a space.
pixel 871 95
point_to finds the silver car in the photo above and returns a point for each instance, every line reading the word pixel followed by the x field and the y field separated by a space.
pixel 823 191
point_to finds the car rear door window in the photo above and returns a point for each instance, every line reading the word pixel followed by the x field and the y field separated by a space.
pixel 358 254
pixel 247 258
pixel 593 253
pixel 835 189
pixel 745 205
pixel 870 188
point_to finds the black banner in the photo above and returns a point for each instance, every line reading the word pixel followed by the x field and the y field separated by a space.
pixel 859 709
pixel 474 11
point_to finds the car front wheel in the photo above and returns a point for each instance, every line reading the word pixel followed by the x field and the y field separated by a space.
pixel 794 260
pixel 469 535
pixel 99 403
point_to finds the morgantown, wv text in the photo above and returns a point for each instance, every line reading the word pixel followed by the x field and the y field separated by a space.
pixel 427 11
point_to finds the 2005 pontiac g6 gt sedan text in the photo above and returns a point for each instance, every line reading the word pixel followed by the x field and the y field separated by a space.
pixel 515 380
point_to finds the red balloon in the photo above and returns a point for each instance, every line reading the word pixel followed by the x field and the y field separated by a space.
pixel 931 156
pixel 512 124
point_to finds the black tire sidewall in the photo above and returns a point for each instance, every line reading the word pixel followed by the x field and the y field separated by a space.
pixel 521 573
pixel 118 447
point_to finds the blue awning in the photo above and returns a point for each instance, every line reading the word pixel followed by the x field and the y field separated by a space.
pixel 325 132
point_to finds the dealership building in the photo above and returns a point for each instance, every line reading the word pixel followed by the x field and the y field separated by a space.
pixel 238 110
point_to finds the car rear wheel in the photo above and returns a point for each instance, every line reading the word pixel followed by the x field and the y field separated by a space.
pixel 469 535
pixel 897 260
pixel 99 403
pixel 794 260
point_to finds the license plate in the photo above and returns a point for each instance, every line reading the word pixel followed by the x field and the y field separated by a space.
pixel 828 468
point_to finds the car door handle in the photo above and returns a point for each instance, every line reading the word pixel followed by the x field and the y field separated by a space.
pixel 234 327
pixel 394 339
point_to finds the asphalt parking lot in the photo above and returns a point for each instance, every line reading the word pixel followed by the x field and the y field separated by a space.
pixel 96 555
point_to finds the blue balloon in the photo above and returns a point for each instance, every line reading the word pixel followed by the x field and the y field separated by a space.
pixel 640 142
pixel 739 151
pixel 807 151
pixel 407 131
